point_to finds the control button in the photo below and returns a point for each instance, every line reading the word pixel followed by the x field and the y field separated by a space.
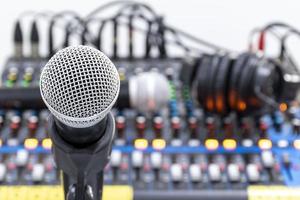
pixel 158 123
pixel 120 125
pixel 253 173
pixel 192 122
pixel 15 121
pixel 195 173
pixel 296 125
pixel 140 123
pixel 22 157
pixel 32 122
pixel 137 159
pixel 156 160
pixel 247 143
pixel 2 172
pixel 194 142
pixel 38 172
pixel 12 142
pixel 175 123
pixel 214 172
pixel 116 157
pixel 267 159
pixel 176 173
pixel 233 172
pixel 286 161
pixel 176 142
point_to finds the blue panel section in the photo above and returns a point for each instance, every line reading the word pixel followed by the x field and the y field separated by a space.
pixel 290 173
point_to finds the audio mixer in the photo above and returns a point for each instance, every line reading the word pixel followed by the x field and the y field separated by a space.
pixel 177 136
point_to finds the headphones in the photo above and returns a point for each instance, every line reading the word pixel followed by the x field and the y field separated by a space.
pixel 246 84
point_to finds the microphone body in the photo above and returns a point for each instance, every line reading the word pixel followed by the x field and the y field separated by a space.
pixel 82 164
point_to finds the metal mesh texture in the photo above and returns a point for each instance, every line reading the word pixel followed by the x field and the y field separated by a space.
pixel 79 85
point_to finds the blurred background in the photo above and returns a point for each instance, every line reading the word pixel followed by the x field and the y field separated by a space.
pixel 226 23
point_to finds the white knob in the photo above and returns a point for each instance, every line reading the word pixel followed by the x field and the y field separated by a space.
pixel 156 160
pixel 116 157
pixel 38 172
pixel 195 173
pixel 253 173
pixel 214 172
pixel 233 171
pixel 137 159
pixel 22 157
pixel 2 172
pixel 176 172
pixel 267 159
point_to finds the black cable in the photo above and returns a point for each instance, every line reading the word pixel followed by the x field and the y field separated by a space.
pixel 130 36
pixel 106 6
pixel 290 32
pixel 18 40
pixel 198 40
pixel 18 35
pixel 128 4
pixel 162 45
pixel 176 42
pixel 34 35
pixel 115 38
pixel 277 24
pixel 52 25
pixel 284 55
pixel 100 32
pixel 34 40
pixel 148 42
pixel 133 7
pixel 67 36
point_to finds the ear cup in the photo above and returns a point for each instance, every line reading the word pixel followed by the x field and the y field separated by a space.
pixel 265 78
pixel 235 75
pixel 210 83
pixel 221 84
pixel 194 71
pixel 202 75
pixel 245 83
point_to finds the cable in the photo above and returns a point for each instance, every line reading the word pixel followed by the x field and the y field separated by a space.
pixel 115 38
pixel 134 8
pixel 257 31
pixel 198 40
pixel 18 40
pixel 34 40
pixel 52 24
pixel 106 6
pixel 127 4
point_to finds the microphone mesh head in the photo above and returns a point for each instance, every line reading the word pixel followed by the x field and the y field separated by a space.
pixel 79 85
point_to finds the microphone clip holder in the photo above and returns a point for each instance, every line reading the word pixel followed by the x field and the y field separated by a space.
pixel 82 167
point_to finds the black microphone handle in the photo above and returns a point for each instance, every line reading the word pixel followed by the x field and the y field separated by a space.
pixel 96 185
pixel 82 165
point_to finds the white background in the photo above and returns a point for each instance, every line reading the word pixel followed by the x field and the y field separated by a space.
pixel 224 22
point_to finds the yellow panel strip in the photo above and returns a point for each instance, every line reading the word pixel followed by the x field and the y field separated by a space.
pixel 261 192
pixel 118 192
pixel 56 192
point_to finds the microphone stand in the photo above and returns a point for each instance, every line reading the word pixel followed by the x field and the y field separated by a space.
pixel 82 166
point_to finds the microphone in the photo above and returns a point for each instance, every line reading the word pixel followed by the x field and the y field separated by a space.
pixel 80 85
pixel 145 92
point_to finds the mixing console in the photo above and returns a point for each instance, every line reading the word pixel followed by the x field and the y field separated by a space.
pixel 211 125
pixel 176 149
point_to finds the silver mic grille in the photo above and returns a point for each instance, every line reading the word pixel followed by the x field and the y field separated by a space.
pixel 79 85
